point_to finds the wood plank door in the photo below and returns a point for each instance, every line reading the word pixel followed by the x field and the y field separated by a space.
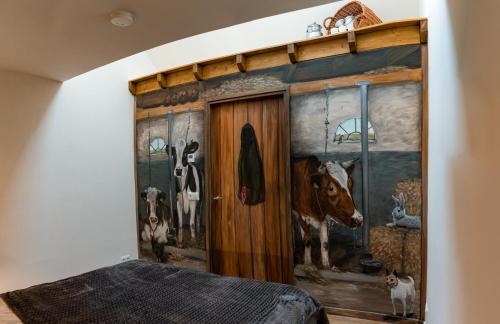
pixel 250 241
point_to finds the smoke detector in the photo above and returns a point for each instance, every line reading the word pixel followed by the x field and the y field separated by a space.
pixel 121 18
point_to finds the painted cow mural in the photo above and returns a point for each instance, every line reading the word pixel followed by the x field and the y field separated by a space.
pixel 188 186
pixel 322 191
pixel 156 225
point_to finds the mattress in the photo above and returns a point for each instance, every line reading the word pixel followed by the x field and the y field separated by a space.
pixel 144 292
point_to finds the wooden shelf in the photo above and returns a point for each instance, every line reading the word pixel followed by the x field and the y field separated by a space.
pixel 396 33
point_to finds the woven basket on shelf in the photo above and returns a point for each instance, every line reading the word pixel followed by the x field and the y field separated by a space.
pixel 363 16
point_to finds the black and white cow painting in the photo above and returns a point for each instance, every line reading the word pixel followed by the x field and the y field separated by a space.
pixel 188 186
pixel 156 225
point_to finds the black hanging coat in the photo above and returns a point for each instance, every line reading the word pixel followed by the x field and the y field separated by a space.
pixel 250 169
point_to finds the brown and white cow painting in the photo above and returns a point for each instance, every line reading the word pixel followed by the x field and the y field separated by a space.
pixel 322 191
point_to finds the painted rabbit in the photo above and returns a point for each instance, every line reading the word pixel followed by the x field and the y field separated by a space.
pixel 399 217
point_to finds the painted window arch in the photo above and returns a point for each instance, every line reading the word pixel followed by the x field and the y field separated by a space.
pixel 157 146
pixel 349 131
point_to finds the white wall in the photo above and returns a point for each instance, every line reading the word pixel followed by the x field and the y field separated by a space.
pixel 464 159
pixel 67 201
pixel 270 31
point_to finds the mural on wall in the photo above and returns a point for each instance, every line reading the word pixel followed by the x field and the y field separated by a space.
pixel 170 182
pixel 333 259
pixel 338 258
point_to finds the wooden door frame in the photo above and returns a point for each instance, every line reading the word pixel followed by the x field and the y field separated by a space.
pixel 255 94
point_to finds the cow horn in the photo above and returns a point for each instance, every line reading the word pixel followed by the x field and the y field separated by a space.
pixel 348 164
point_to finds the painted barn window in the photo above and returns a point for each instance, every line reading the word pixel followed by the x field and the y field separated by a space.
pixel 158 146
pixel 349 131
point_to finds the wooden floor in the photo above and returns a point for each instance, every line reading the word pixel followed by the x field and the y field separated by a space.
pixel 7 317
pixel 334 319
pixel 372 297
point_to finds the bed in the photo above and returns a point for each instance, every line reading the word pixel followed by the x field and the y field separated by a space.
pixel 140 291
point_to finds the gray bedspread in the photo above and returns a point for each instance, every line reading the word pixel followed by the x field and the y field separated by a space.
pixel 144 292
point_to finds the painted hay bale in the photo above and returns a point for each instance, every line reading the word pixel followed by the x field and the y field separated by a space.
pixel 411 254
pixel 386 244
pixel 412 190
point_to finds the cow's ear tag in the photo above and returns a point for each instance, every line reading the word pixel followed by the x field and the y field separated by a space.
pixel 191 158
pixel 193 195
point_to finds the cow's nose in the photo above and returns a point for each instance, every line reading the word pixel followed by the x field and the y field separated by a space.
pixel 178 172
pixel 357 219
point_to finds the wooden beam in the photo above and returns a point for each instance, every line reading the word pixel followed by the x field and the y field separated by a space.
pixel 292 52
pixel 319 50
pixel 351 40
pixel 268 59
pixel 198 71
pixel 221 68
pixel 388 38
pixel 132 88
pixel 423 31
pixel 396 33
pixel 241 63
pixel 404 75
pixel 162 80
pixel 180 77
pixel 162 110
pixel 146 85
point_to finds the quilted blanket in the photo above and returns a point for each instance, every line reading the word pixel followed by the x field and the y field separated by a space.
pixel 143 292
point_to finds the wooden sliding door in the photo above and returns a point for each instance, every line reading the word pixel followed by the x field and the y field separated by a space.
pixel 250 241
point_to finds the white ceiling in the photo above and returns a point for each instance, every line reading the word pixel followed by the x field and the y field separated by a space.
pixel 59 39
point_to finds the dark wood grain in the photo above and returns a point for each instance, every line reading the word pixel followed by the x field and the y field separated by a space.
pixel 230 258
pixel 251 241
pixel 271 204
pixel 215 189
pixel 241 212
pixel 257 211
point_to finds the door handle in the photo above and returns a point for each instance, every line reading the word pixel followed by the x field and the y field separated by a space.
pixel 217 198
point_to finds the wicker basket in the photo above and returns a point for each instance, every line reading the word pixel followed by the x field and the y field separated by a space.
pixel 363 16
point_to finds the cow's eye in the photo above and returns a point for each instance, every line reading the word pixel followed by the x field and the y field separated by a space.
pixel 331 189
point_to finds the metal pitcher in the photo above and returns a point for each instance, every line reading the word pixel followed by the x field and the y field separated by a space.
pixel 313 30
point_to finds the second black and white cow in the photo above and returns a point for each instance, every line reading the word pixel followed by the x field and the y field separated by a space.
pixel 156 225
pixel 188 186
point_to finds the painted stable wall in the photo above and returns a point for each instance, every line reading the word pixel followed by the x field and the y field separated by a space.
pixel 463 263
pixel 67 199
pixel 67 202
